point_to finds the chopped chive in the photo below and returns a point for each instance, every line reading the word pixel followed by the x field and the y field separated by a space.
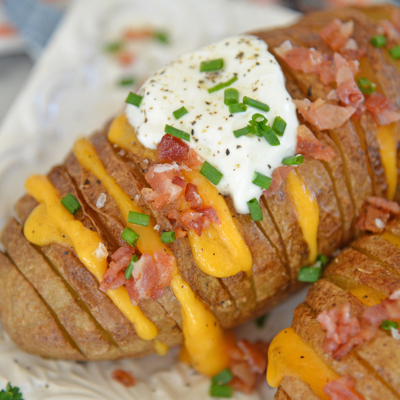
pixel 168 237
pixel 395 52
pixel 322 259
pixel 134 99
pixel 309 274
pixel 211 173
pixel 260 321
pixel 221 391
pixel 71 203
pixel 378 40
pixel 365 85
pixel 255 210
pixel 293 160
pixel 262 180
pixel 255 104
pixel 222 85
pixel 387 325
pixel 231 96
pixel 130 236
pixel 180 112
pixel 211 65
pixel 223 377
pixel 138 218
pixel 279 126
pixel 161 36
pixel 126 81
pixel 129 270
pixel 113 47
pixel 236 108
pixel 270 136
pixel 259 118
pixel 177 133
pixel 244 131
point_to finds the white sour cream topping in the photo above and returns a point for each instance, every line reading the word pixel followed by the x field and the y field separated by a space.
pixel 209 121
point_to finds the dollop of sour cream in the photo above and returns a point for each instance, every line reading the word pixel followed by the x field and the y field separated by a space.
pixel 209 122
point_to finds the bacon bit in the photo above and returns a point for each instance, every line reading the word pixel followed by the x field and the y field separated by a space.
pixel 7 30
pixel 180 233
pixel 174 149
pixel 391 33
pixel 375 214
pixel 123 377
pixel 193 220
pixel 278 176
pixel 163 190
pixel 352 51
pixel 336 34
pixel 323 115
pixel 210 213
pixel 136 34
pixel 176 180
pixel 165 268
pixel 342 389
pixel 327 73
pixel 344 332
pixel 133 291
pixel 255 358
pixel 192 196
pixel 382 110
pixel 332 95
pixel 125 58
pixel 310 146
pixel 157 294
pixel 300 58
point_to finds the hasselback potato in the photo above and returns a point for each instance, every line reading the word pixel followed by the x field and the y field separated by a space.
pixel 50 302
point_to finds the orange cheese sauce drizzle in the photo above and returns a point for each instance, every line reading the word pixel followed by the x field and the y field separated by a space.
pixel 204 338
pixel 50 223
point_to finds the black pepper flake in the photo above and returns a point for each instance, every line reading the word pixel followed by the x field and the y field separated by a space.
pixel 240 55
pixel 98 181
pixel 193 122
pixel 301 356
pixel 65 252
pixel 309 91
pixel 227 152
pixel 87 182
pixel 192 132
pixel 269 166
pixel 208 103
pixel 238 146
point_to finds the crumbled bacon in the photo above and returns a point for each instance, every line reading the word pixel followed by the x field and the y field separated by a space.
pixel 391 32
pixel 327 72
pixel 343 332
pixel 210 213
pixel 172 149
pixel 123 377
pixel 324 115
pixel 135 34
pixel 193 220
pixel 310 146
pixel 342 389
pixel 126 58
pixel 375 213
pixel 163 190
pixel 278 176
pixel 192 196
pixel 337 33
pixel 382 110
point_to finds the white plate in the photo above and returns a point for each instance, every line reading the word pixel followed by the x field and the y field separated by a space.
pixel 71 92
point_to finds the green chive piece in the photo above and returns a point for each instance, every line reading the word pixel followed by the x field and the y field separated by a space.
pixel 378 40
pixel 222 85
pixel 129 270
pixel 260 321
pixel 262 180
pixel 244 131
pixel 255 210
pixel 161 36
pixel 71 203
pixel 177 133
pixel 236 108
pixel 231 96
pixel 134 99
pixel 322 259
pixel 223 377
pixel 211 65
pixel 211 173
pixel 387 325
pixel 395 52
pixel 128 81
pixel 113 47
pixel 270 136
pixel 293 160
pixel 168 237
pixel 180 112
pixel 130 236
pixel 259 118
pixel 255 104
pixel 138 218
pixel 221 391
pixel 365 85
pixel 309 274
pixel 279 126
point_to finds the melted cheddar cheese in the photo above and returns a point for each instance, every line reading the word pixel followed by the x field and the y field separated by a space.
pixel 289 355
pixel 307 210
pixel 221 250
pixel 50 223
pixel 204 338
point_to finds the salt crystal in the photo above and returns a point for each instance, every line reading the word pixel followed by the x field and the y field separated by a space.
pixel 101 200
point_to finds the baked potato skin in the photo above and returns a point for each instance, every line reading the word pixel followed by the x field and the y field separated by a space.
pixel 276 243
